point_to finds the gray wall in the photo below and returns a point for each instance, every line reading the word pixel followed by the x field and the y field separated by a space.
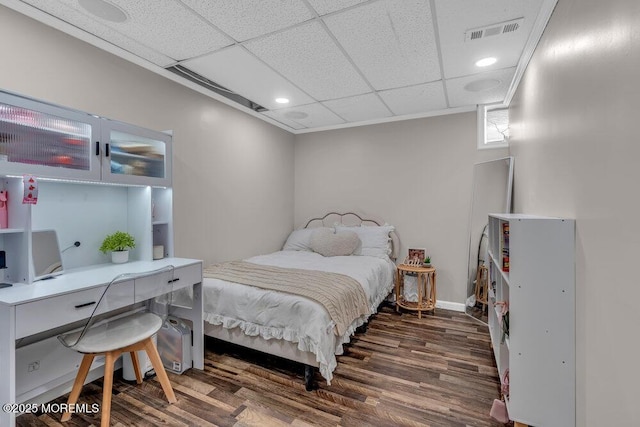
pixel 575 139
pixel 233 173
pixel 415 174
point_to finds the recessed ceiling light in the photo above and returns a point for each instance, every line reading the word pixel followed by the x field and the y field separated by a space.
pixel 485 62
pixel 282 100
pixel 104 9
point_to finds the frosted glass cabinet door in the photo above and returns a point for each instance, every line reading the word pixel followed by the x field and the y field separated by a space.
pixel 135 155
pixel 47 141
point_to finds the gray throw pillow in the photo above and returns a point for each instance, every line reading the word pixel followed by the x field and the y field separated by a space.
pixel 327 243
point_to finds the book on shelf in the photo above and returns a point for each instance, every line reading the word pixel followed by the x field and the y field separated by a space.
pixel 505 263
pixel 505 246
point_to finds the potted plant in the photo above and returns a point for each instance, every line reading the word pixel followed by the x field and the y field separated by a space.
pixel 118 244
pixel 427 261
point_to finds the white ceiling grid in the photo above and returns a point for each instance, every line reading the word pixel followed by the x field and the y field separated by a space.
pixel 324 7
pixel 340 62
pixel 415 99
pixel 245 19
pixel 394 45
pixel 237 69
pixel 359 108
pixel 308 57
pixel 459 96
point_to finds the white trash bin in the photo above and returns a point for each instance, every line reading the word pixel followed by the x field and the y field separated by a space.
pixel 145 364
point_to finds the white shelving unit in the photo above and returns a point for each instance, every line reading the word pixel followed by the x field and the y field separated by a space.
pixel 533 269
pixel 87 186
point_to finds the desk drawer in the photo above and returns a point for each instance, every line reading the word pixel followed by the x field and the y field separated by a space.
pixel 152 286
pixel 187 276
pixel 45 314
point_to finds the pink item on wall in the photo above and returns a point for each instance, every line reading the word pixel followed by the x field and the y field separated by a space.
pixel 4 217
pixel 30 185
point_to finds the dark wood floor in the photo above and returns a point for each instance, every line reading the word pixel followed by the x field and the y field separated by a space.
pixel 403 371
pixel 478 312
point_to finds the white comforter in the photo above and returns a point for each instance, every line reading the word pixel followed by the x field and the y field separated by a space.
pixel 292 318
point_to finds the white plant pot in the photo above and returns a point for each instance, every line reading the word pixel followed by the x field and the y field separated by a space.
pixel 119 257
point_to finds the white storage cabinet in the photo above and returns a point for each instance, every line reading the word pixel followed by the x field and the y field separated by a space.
pixel 73 155
pixel 56 142
pixel 532 267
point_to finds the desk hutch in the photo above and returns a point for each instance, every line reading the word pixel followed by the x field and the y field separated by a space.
pixel 94 176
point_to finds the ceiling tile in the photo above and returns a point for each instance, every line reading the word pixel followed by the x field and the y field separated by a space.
pixel 309 116
pixel 246 19
pixel 415 99
pixel 327 6
pixel 243 73
pixel 336 60
pixel 280 118
pixel 493 87
pixel 359 108
pixel 66 11
pixel 308 57
pixel 168 27
pixel 394 44
pixel 455 17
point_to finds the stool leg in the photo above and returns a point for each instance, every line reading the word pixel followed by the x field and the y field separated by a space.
pixel 136 366
pixel 419 282
pixel 398 288
pixel 87 360
pixel 106 388
pixel 434 291
pixel 154 357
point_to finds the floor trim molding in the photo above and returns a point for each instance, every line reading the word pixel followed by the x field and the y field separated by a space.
pixel 448 305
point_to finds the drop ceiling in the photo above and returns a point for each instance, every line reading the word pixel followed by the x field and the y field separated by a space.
pixel 339 63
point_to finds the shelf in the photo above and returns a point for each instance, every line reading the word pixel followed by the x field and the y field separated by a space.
pixel 11 230
pixel 125 155
pixel 415 306
pixel 496 263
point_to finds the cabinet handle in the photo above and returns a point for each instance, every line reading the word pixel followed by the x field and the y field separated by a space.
pixel 106 149
pixel 97 148
pixel 173 280
pixel 86 304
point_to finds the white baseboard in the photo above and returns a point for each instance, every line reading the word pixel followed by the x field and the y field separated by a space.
pixel 454 306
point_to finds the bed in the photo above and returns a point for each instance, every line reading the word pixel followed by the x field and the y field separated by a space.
pixel 304 328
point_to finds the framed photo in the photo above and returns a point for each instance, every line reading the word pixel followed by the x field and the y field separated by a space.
pixel 417 253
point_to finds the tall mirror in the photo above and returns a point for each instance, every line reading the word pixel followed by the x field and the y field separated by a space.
pixel 492 186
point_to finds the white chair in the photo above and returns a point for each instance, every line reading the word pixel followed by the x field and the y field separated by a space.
pixel 124 333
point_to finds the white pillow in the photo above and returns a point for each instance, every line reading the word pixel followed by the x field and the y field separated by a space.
pixel 300 240
pixel 327 243
pixel 375 239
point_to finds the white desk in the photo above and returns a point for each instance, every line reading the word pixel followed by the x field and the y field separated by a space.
pixel 29 309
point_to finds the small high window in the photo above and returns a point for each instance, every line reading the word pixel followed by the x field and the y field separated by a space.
pixel 493 126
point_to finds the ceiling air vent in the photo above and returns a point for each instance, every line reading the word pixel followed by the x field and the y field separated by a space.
pixel 215 87
pixel 493 30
